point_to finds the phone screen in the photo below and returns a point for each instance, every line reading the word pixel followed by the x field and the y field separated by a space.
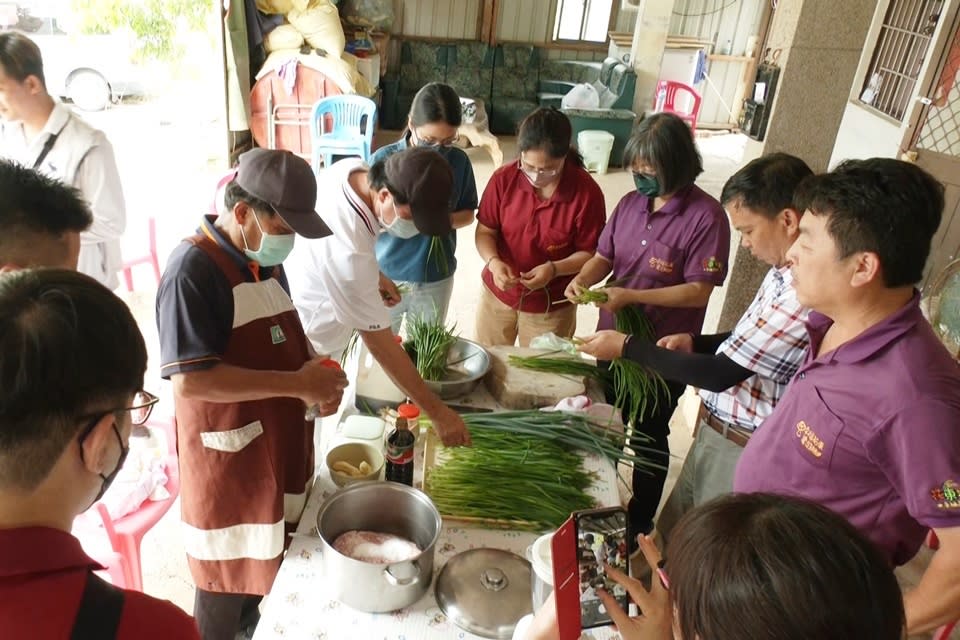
pixel 601 539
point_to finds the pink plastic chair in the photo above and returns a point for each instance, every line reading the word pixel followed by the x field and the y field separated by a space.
pixel 943 633
pixel 150 258
pixel 669 104
pixel 126 533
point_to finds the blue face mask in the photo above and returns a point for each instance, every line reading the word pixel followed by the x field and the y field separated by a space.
pixel 401 227
pixel 647 185
pixel 274 247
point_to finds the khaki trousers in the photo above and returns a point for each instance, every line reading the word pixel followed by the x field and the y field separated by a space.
pixel 499 324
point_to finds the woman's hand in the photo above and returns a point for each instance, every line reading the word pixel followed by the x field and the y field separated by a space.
pixel 617 298
pixel 538 277
pixel 574 289
pixel 503 275
pixel 603 345
pixel 677 342
pixel 656 619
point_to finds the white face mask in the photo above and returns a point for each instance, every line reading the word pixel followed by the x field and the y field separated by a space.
pixel 400 227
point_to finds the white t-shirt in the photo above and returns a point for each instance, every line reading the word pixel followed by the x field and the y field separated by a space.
pixel 83 158
pixel 335 281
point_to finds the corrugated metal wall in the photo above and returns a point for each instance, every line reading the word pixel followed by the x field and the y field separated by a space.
pixel 719 21
pixel 456 19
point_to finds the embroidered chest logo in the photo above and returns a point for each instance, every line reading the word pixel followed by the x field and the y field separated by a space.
pixel 661 265
pixel 276 334
pixel 712 265
pixel 553 248
pixel 810 440
pixel 947 495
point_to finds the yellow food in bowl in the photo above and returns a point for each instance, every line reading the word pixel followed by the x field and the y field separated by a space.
pixel 354 462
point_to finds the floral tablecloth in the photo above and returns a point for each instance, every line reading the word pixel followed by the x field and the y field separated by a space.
pixel 300 608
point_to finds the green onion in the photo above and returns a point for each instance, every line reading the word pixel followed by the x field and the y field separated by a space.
pixel 431 344
pixel 439 254
pixel 568 366
pixel 525 466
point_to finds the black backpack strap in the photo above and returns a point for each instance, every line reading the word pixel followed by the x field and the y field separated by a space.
pixel 101 605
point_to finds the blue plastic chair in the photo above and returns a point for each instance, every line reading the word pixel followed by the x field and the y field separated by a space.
pixel 343 126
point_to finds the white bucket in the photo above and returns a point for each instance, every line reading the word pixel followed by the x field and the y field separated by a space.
pixel 595 147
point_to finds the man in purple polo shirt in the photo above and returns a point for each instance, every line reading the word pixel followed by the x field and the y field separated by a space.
pixel 870 425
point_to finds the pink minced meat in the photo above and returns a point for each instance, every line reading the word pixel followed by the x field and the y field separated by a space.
pixel 376 548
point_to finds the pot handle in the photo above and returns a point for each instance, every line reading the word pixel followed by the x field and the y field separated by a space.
pixel 403 582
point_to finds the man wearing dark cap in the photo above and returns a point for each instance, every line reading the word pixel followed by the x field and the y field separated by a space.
pixel 243 375
pixel 336 281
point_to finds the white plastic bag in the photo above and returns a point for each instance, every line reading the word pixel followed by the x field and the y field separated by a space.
pixel 553 342
pixel 582 96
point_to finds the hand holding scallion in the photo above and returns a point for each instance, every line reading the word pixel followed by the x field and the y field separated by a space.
pixel 603 345
pixel 573 290
pixel 503 275
pixel 538 277
pixel 389 291
pixel 656 620
pixel 617 298
pixel 450 427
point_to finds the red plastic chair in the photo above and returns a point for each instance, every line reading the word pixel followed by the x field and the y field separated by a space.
pixel 671 89
pixel 126 533
pixel 150 258
pixel 943 633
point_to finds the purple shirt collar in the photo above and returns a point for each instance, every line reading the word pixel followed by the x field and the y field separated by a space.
pixel 676 204
pixel 868 343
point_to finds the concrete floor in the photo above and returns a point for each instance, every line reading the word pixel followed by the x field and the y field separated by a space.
pixel 165 572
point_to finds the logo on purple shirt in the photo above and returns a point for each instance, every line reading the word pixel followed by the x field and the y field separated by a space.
pixel 947 495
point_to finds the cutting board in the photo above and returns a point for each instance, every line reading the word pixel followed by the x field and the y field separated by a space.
pixel 515 388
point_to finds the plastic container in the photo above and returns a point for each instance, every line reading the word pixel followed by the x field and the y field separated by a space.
pixel 541 558
pixel 368 429
pixel 375 389
pixel 595 146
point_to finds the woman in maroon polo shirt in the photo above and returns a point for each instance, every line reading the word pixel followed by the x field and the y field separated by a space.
pixel 667 245
pixel 538 223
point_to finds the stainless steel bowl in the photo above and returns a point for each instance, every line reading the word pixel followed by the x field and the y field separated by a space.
pixel 467 363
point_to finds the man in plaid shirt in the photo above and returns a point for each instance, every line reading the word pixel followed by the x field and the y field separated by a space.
pixel 743 373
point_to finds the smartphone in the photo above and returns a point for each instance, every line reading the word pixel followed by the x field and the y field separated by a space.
pixel 601 539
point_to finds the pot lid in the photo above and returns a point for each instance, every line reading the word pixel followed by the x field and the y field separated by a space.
pixel 485 591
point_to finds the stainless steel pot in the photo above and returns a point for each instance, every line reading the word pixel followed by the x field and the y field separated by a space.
pixel 385 507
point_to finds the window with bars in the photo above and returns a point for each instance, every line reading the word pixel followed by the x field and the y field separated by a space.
pixel 899 54
pixel 582 20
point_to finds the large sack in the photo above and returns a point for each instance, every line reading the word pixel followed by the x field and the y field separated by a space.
pixel 283 37
pixel 376 14
pixel 271 7
pixel 582 96
pixel 320 25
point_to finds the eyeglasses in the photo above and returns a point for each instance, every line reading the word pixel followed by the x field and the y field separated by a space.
pixel 546 173
pixel 143 403
pixel 427 141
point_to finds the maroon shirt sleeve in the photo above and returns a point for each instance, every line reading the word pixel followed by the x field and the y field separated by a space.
pixel 917 451
pixel 488 213
pixel 709 248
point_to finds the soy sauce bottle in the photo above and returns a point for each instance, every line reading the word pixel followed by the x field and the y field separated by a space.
pixel 400 453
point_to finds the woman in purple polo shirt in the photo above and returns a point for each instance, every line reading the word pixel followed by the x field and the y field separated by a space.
pixel 666 246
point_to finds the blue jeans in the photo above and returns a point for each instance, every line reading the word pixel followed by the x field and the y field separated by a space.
pixel 428 300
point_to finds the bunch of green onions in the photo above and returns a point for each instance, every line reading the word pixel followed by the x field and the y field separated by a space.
pixel 564 366
pixel 438 253
pixel 431 342
pixel 524 466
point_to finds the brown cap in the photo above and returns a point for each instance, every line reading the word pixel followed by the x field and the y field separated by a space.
pixel 423 179
pixel 285 182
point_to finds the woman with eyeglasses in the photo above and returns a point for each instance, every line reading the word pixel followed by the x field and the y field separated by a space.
pixel 538 223
pixel 665 248
pixel 758 567
pixel 424 264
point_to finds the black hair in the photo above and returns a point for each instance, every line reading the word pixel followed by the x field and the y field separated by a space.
pixel 377 177
pixel 35 207
pixel 766 185
pixel 233 193
pixel 20 57
pixel 69 349
pixel 548 129
pixel 436 102
pixel 802 571
pixel 888 207
pixel 665 142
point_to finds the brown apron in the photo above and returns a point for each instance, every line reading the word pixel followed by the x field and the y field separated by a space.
pixel 235 474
